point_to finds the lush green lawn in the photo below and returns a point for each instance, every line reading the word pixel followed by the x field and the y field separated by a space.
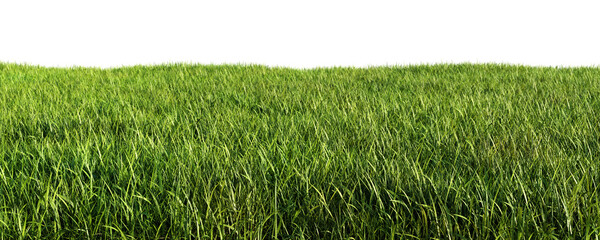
pixel 179 151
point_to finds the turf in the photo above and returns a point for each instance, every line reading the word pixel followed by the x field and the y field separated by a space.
pixel 461 151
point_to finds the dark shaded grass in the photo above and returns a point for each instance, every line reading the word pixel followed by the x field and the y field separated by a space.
pixel 232 151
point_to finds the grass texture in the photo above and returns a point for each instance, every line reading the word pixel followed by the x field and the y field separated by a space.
pixel 458 151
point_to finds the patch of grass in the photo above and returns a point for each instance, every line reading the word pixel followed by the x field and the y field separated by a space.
pixel 232 151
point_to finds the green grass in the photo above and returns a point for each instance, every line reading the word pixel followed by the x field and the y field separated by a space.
pixel 231 151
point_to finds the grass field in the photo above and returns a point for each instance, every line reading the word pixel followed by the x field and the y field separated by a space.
pixel 193 151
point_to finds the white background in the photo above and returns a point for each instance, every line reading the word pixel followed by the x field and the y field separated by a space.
pixel 299 33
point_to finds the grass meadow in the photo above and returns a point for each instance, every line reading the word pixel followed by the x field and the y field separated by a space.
pixel 178 151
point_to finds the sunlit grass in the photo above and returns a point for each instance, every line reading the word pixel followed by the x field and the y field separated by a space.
pixel 179 151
